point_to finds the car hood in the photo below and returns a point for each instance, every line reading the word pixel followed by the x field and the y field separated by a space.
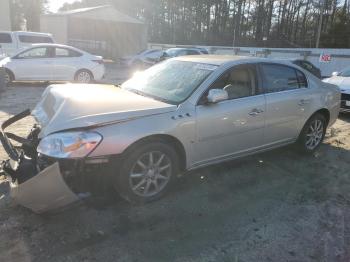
pixel 342 82
pixel 73 106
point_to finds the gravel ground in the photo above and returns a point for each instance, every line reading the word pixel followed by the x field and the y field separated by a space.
pixel 276 206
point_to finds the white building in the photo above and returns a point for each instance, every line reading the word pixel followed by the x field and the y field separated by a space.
pixel 5 21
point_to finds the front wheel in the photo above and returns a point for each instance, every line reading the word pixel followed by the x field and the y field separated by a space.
pixel 313 133
pixel 147 172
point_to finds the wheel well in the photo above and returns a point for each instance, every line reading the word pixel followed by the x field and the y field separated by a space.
pixel 12 75
pixel 174 142
pixel 84 69
pixel 325 113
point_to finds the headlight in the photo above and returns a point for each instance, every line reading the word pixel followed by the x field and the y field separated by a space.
pixel 69 145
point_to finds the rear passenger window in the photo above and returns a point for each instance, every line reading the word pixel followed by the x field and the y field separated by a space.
pixel 63 52
pixel 34 39
pixel 192 52
pixel 5 38
pixel 279 78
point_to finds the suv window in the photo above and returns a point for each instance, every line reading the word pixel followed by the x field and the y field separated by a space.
pixel 307 66
pixel 5 38
pixel 181 53
pixel 239 82
pixel 301 79
pixel 192 52
pixel 279 78
pixel 64 52
pixel 35 39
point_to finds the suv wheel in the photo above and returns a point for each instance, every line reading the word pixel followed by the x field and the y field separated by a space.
pixel 313 133
pixel 147 173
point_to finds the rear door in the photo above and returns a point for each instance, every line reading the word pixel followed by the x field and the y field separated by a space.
pixel 67 61
pixel 288 100
pixel 34 64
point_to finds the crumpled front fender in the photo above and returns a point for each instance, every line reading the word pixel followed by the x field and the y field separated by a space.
pixel 44 192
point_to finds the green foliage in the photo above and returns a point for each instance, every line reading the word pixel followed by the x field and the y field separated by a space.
pixel 338 35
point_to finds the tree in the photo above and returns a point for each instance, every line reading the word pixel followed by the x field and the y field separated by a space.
pixel 270 23
pixel 26 13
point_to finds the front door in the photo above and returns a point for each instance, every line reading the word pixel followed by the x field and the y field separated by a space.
pixel 34 64
pixel 234 126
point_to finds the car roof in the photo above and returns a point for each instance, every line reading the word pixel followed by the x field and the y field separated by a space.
pixel 223 59
pixel 50 45
pixel 55 45
pixel 184 48
pixel 28 33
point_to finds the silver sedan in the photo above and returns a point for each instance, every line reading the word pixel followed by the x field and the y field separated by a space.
pixel 179 115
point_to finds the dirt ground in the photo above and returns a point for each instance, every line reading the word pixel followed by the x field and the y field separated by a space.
pixel 276 206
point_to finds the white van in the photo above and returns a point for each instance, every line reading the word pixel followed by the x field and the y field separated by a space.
pixel 12 42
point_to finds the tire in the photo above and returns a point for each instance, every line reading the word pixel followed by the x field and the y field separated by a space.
pixel 137 178
pixel 84 76
pixel 313 133
pixel 8 77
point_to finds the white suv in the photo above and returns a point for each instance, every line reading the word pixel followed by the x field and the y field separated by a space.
pixel 12 42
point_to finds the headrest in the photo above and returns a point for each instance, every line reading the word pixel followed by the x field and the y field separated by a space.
pixel 240 76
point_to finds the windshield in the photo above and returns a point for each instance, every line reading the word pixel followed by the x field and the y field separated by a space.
pixel 345 72
pixel 171 81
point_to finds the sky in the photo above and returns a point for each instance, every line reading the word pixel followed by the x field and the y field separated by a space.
pixel 54 5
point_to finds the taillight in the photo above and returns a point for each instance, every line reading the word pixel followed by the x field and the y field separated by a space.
pixel 99 61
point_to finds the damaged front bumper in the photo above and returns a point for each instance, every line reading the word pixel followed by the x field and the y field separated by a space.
pixel 39 187
pixel 44 192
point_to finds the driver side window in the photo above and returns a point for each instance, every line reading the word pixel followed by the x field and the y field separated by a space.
pixel 238 82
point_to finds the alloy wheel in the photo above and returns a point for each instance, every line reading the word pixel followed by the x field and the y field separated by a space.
pixel 314 134
pixel 84 77
pixel 7 78
pixel 150 174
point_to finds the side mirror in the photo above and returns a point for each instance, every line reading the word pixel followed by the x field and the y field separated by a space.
pixel 216 96
pixel 335 73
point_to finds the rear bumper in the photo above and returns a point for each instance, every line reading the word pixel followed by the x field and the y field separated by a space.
pixel 99 72
pixel 40 188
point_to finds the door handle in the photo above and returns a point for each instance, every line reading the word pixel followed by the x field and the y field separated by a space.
pixel 303 102
pixel 256 112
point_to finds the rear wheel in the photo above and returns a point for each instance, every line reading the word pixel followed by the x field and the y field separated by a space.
pixel 313 133
pixel 147 172
pixel 84 76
